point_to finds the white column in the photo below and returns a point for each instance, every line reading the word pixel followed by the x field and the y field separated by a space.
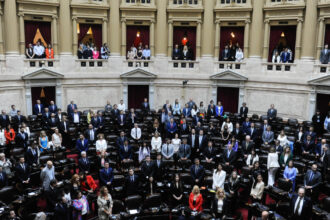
pixel 246 38
pixel 58 93
pixel 21 34
pixel 217 40
pixel 170 39
pixel 104 31
pixel 312 103
pixel 152 37
pixel 123 37
pixel 320 39
pixel 298 39
pixel 241 95
pixel 151 95
pixel 74 36
pixel 1 37
pixel 266 40
pixel 125 93
pixel 54 34
pixel 198 39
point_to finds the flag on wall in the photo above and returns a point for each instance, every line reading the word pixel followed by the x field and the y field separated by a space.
pixel 42 93
pixel 37 37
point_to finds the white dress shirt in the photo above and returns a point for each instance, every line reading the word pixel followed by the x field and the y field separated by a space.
pixel 121 107
pixel 218 179
pixel 283 140
pixel 176 143
pixel 229 125
pixel 248 160
pixel 75 118
pixel 136 133
pixel 39 50
pixel 101 145
pixel 146 53
pixel 301 205
pixel 272 160
pixel 156 144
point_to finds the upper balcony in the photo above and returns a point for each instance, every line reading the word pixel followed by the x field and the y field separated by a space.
pixel 39 2
pixel 145 5
pixel 185 6
pixel 233 5
pixel 323 3
pixel 99 4
pixel 284 4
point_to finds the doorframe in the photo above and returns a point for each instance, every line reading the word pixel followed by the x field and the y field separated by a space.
pixel 318 85
pixel 141 83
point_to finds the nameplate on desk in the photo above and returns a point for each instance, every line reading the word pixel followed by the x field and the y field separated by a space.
pixel 133 211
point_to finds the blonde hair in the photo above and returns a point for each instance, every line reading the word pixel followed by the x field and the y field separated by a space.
pixel 217 194
pixel 195 190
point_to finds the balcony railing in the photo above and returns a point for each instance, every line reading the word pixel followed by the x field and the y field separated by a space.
pixel 89 63
pixel 283 2
pixel 189 2
pixel 225 65
pixel 38 63
pixel 138 1
pixel 280 67
pixel 322 68
pixel 233 1
pixel 138 63
pixel 183 64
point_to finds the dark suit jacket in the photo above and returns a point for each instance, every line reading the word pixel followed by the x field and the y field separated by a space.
pixel 95 122
pixel 313 136
pixel 147 170
pixel 84 166
pixel 22 174
pixel 246 126
pixel 306 210
pixel 115 113
pixel 247 150
pixel 87 134
pixel 62 127
pixel 72 116
pixel 243 113
pixel 18 120
pixel 238 135
pixel 123 154
pixel 3 180
pixel 106 176
pixel 30 158
pixel 46 116
pixel 121 121
pixel 61 212
pixel 209 154
pixel 315 181
pixel 22 141
pixel 144 107
pixel 272 114
pixel 69 110
pixel 255 134
pixel 36 109
pixel 131 120
pixel 80 147
pixel 52 108
pixel 232 157
pixel 176 54
pixel 203 143
pixel 184 151
pixel 52 123
pixel 159 171
pixel 211 111
pixel 214 206
pixel 51 198
pixel 131 187
pixel 120 141
pixel 308 147
pixel 184 130
pixel 4 121
pixel 195 142
pixel 197 175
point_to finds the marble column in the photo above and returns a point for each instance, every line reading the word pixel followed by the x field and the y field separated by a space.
pixel 65 27
pixel 105 30
pixel 21 34
pixel 54 34
pixel 161 28
pixel 298 39
pixel 246 38
pixel 11 27
pixel 152 37
pixel 217 40
pixel 320 38
pixel 114 21
pixel 74 35
pixel 1 37
pixel 198 39
pixel 123 37
pixel 170 39
pixel 266 40
pixel 208 28
pixel 256 27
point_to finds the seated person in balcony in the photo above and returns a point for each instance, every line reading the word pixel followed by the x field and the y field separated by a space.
pixel 49 52
pixel 285 56
pixel 176 54
pixel 239 55
pixel 327 122
pixel 186 53
pixel 325 55
pixel 96 53
pixel 80 52
pixel 146 53
pixel 276 58
pixel 88 53
pixel 225 55
pixel 30 52
pixel 131 54
pixel 105 51
pixel 39 50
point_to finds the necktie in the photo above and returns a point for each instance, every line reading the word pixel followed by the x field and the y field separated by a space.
pixel 82 142
pixel 296 212
pixel 196 170
pixel 91 135
pixel 136 136
pixel 126 149
pixel 184 150
pixel 228 153
pixel 158 163
pixel 167 149
pixel 311 177
pixel 132 178
pixel 72 107
pixel 85 160
pixel 23 166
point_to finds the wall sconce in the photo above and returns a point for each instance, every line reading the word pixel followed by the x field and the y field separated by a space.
pixel 138 34
pixel 232 34
pixel 282 34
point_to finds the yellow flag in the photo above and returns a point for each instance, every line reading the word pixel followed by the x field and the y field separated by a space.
pixel 42 93
pixel 37 37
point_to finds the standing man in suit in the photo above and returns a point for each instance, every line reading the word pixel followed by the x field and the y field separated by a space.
pixel 132 118
pixel 52 107
pixel 84 163
pixel 229 157
pixel 59 115
pixel 22 174
pixel 121 119
pixel 197 172
pixel 106 175
pixel 271 113
pixel 145 107
pixel 246 125
pixel 209 152
pixel 82 144
pixel 237 132
pixel 311 133
pixel 4 119
pixel 312 181
pixel 247 146
pixel 268 136
pixel 171 128
pixel 201 142
pixel 18 120
pixel 125 153
pixel 32 155
pixel 167 106
pixel 52 122
pixel 136 133
pixel 47 174
pixel 3 178
pixel 253 132
pixel 64 128
pixel 147 169
pixel 131 183
pixel 159 168
pixel 184 151
pixel 325 55
pixel 211 110
pixel 243 111
pixel 22 138
pixel 71 107
pixel 115 112
pixel 38 108
pixel 192 140
pixel 308 145
pixel 186 111
pixel 168 149
pixel 121 139
pixel 300 206
pixel 176 54
pixel 91 134
pixel 75 117
pixel 184 128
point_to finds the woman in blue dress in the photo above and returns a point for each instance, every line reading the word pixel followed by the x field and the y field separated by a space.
pixel 43 141
pixel 290 174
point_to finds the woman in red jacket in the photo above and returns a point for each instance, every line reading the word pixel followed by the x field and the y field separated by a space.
pixel 10 135
pixel 87 183
pixel 196 200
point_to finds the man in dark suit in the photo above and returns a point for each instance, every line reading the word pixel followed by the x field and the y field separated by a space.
pixel 243 111
pixel 61 210
pixel 278 147
pixel 192 141
pixel 121 139
pixel 247 146
pixel 52 107
pixel 147 169
pixel 167 106
pixel 38 108
pixel 211 110
pixel 311 133
pixel 3 178
pixel 64 128
pixel 32 155
pixel 131 183
pixel 84 163
pixel 82 144
pixel 176 54
pixel 132 118
pixel 125 152
pixel 22 173
pixel 253 132
pixel 237 132
pixel 18 119
pixel 308 145
pixel 106 175
pixel 115 112
pixel 325 55
pixel 71 107
pixel 51 195
pixel 229 156
pixel 271 113
pixel 268 136
pixel 186 111
pixel 184 128
pixel 312 181
pixel 100 122
pixel 171 128
pixel 53 122
pixel 22 138
pixel 197 173
pixel 300 206
pixel 4 119
pixel 95 122
pixel 201 142
pixel 225 55
pixel 246 125
pixel 59 115
pixel 159 168
pixel 121 119
pixel 46 115
pixel 184 151
pixel 209 152
pixel 90 134
pixel 75 117
pixel 145 107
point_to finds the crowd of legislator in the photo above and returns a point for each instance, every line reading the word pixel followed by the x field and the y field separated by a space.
pixel 200 162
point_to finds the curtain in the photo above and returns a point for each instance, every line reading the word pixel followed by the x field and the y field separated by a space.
pixel 131 36
pixel 83 29
pixel 136 95
pixel 323 103
pixel 327 35
pixel 226 36
pixel 49 95
pixel 97 35
pixel 278 42
pixel 190 32
pixel 31 28
pixel 228 98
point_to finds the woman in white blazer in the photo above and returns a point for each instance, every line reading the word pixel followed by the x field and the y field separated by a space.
pixel 156 143
pixel 272 166
pixel 101 144
pixel 219 177
pixel 229 124
pixel 282 138
pixel 253 157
